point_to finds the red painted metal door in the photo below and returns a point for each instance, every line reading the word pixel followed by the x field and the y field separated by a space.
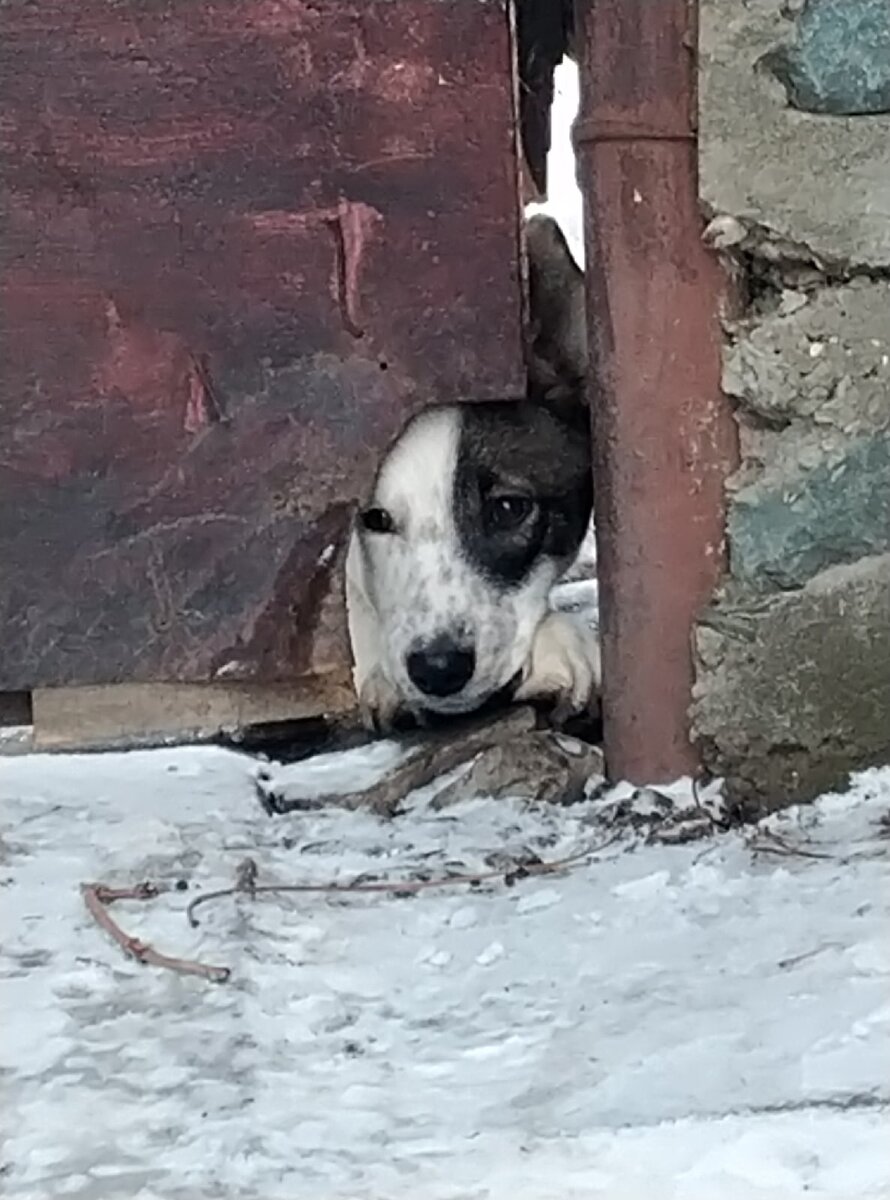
pixel 242 241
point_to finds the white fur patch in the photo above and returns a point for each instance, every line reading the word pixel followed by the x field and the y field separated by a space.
pixel 564 662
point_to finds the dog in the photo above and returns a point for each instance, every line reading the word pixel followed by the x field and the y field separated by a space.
pixel 475 513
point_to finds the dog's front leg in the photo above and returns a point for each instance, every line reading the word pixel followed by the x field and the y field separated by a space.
pixel 563 664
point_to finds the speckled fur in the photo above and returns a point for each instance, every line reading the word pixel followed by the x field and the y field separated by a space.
pixel 417 583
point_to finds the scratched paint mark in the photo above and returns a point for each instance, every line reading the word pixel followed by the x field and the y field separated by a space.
pixel 202 404
pixel 352 224
pixel 353 228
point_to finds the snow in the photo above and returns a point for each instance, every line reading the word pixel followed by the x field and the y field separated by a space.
pixel 338 773
pixel 564 201
pixel 685 1021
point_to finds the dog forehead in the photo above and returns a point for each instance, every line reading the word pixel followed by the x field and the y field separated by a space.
pixel 516 442
pixel 416 479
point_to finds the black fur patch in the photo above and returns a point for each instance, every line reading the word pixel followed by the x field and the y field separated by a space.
pixel 524 449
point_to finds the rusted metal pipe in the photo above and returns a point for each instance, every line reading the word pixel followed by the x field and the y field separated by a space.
pixel 664 438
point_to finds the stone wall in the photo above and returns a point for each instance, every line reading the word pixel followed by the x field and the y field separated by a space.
pixel 794 656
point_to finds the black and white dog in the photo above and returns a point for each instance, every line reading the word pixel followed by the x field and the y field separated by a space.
pixel 475 513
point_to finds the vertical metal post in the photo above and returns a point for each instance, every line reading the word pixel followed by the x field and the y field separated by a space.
pixel 664 438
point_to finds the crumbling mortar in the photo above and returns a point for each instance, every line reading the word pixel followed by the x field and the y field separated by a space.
pixel 763 264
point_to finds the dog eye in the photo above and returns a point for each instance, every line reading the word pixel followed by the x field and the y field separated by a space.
pixel 507 512
pixel 377 520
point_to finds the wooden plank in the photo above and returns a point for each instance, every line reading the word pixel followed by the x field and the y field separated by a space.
pixel 127 715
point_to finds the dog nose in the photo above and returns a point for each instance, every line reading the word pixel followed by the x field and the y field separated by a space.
pixel 441 667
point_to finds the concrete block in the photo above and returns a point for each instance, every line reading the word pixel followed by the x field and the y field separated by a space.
pixel 782 531
pixel 811 383
pixel 820 183
pixel 822 356
pixel 793 689
pixel 839 61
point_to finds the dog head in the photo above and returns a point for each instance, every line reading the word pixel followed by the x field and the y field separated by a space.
pixel 476 512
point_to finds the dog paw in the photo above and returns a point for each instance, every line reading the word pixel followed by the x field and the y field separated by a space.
pixel 379 702
pixel 563 665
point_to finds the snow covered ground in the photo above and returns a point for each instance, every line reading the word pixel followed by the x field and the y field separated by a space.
pixel 680 1021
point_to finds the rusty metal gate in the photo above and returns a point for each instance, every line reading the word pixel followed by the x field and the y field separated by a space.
pixel 242 241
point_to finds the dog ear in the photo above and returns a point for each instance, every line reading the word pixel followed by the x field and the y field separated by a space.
pixel 557 334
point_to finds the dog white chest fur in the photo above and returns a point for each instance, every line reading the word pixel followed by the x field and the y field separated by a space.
pixel 450 566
